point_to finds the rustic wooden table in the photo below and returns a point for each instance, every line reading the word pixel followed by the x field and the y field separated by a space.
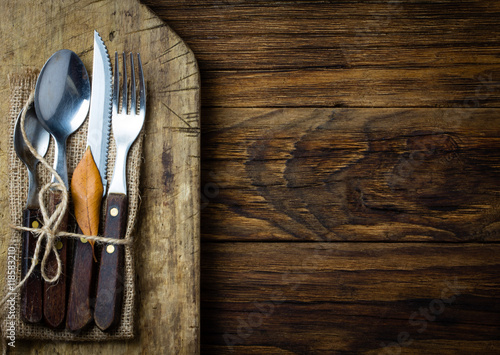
pixel 350 174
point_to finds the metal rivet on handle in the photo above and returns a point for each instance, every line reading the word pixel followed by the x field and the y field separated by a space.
pixel 113 212
pixel 35 224
pixel 59 245
pixel 110 249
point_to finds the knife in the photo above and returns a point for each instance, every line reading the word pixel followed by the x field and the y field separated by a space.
pixel 87 193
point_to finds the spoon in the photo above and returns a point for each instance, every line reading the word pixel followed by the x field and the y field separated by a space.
pixel 62 99
pixel 31 294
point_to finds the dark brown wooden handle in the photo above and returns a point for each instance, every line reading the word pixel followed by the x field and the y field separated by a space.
pixel 80 302
pixel 31 294
pixel 54 296
pixel 110 284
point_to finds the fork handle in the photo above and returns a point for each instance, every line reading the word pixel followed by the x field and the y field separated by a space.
pixel 54 297
pixel 31 294
pixel 110 284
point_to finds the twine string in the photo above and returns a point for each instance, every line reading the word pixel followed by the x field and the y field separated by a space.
pixel 49 231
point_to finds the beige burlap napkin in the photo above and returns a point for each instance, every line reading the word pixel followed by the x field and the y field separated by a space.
pixel 21 85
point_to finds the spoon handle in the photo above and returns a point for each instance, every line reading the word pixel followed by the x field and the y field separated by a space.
pixel 54 298
pixel 60 160
pixel 31 294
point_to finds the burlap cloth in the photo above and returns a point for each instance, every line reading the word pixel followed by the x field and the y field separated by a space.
pixel 21 86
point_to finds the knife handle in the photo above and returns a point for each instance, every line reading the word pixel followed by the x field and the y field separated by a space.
pixel 54 297
pixel 31 293
pixel 110 284
pixel 80 313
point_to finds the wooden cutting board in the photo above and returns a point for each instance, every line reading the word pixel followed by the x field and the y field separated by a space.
pixel 167 231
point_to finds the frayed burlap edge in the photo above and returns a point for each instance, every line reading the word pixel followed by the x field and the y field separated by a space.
pixel 21 86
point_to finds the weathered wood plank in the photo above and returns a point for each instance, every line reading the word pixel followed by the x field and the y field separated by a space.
pixel 355 54
pixel 295 175
pixel 232 35
pixel 351 174
pixel 302 298
pixel 366 87
pixel 167 230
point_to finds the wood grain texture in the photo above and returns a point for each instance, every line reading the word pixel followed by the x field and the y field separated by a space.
pixel 55 293
pixel 32 292
pixel 294 151
pixel 323 54
pixel 338 53
pixel 81 292
pixel 167 230
pixel 265 35
pixel 109 295
pixel 328 298
pixel 351 174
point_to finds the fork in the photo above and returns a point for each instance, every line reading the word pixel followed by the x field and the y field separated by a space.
pixel 126 127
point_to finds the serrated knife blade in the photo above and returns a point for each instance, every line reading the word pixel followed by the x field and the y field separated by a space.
pixel 100 107
pixel 88 186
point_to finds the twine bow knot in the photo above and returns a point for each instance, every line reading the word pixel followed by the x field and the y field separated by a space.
pixel 49 231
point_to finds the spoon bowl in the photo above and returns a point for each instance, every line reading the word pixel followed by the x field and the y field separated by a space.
pixel 62 100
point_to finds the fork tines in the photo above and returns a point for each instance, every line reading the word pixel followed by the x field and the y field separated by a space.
pixel 125 105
